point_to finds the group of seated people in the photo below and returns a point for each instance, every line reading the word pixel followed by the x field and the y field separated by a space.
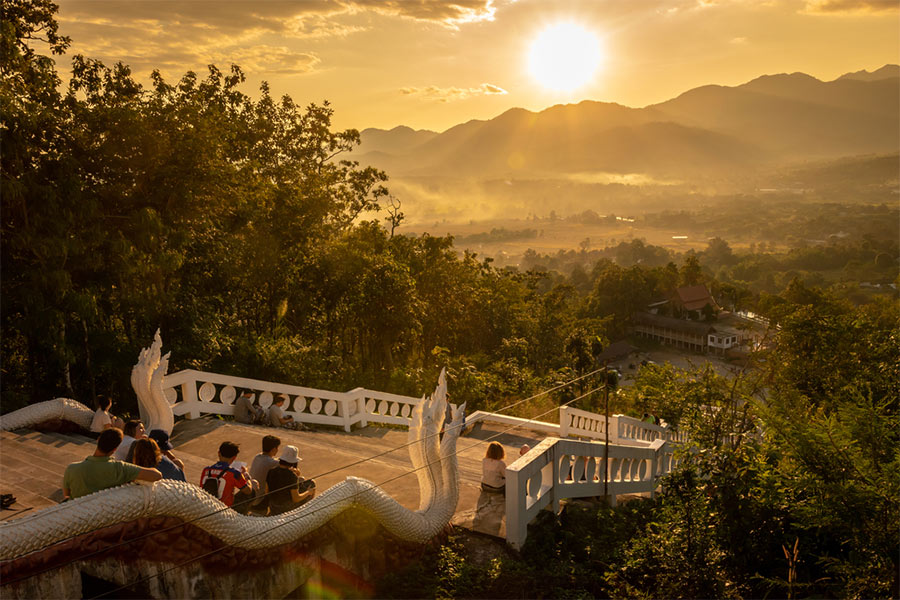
pixel 246 411
pixel 124 453
pixel 270 486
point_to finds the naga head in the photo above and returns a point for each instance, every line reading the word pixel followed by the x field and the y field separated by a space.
pixel 147 379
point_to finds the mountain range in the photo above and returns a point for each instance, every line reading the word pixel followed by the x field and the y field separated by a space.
pixel 768 121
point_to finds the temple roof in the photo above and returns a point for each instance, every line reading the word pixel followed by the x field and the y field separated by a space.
pixel 694 297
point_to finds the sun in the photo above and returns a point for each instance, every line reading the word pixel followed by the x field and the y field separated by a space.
pixel 564 57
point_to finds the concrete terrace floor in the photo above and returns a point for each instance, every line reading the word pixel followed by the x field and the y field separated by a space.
pixel 329 456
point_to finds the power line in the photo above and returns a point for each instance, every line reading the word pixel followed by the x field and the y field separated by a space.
pixel 323 474
pixel 300 516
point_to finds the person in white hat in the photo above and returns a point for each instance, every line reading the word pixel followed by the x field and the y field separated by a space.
pixel 285 488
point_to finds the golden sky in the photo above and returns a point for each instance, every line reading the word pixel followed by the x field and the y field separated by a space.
pixel 434 63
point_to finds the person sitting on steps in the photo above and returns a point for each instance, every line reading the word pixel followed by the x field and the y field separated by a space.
pixel 134 430
pixel 285 488
pixel 262 463
pixel 245 411
pixel 101 471
pixel 493 469
pixel 165 446
pixel 227 479
pixel 147 454
pixel 277 417
pixel 103 420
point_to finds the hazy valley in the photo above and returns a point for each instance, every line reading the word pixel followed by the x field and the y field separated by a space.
pixel 775 139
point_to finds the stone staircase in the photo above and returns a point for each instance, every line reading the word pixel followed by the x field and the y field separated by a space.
pixel 32 465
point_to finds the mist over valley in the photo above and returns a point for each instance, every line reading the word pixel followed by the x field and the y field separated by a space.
pixel 791 137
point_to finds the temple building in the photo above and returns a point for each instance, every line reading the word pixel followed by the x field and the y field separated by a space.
pixel 691 319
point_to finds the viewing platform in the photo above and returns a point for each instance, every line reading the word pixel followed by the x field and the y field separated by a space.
pixel 32 463
pixel 371 453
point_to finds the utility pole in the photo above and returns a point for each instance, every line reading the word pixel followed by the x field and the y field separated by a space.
pixel 606 446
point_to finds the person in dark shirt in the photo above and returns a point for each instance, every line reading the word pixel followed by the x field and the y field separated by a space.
pixel 165 446
pixel 285 487
pixel 147 454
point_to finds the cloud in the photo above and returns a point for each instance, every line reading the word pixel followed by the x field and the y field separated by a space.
pixel 306 18
pixel 189 34
pixel 450 13
pixel 851 6
pixel 738 41
pixel 271 59
pixel 440 94
pixel 274 16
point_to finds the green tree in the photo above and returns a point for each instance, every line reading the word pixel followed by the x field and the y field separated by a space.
pixel 690 273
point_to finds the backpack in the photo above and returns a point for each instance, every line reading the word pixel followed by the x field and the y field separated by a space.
pixel 214 486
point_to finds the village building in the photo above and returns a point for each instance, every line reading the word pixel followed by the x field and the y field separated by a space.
pixel 691 319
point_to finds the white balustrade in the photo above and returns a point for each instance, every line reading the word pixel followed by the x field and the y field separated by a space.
pixel 517 422
pixel 623 430
pixel 577 422
pixel 195 393
pixel 558 468
pixel 555 469
pixel 383 407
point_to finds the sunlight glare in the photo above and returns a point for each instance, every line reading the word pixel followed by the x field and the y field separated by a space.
pixel 564 57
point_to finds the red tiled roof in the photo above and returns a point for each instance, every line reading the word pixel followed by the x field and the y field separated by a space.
pixel 694 297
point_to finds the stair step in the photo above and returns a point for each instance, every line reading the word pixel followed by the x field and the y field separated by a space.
pixel 21 464
pixel 33 480
pixel 48 452
pixel 46 457
pixel 81 438
pixel 67 442
pixel 51 440
pixel 25 500
pixel 41 487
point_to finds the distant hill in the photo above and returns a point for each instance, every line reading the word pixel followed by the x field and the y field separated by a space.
pixel 885 72
pixel 790 117
pixel 398 140
pixel 710 129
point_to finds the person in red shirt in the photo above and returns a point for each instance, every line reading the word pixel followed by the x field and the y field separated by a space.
pixel 235 487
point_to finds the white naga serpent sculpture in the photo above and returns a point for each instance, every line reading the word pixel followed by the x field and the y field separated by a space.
pixel 146 379
pixel 434 462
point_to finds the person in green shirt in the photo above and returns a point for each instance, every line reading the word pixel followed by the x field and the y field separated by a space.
pixel 100 471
